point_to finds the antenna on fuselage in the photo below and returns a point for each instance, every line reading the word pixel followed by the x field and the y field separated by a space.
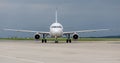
pixel 56 16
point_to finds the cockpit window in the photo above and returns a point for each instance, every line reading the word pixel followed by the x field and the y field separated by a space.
pixel 56 27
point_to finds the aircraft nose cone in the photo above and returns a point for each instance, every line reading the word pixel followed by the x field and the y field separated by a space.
pixel 57 32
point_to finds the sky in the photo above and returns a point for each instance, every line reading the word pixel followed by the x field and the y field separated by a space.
pixel 74 15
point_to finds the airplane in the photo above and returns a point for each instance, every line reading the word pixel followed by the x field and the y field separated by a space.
pixel 56 31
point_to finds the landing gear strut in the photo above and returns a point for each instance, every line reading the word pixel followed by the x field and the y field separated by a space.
pixel 44 40
pixel 68 39
pixel 56 41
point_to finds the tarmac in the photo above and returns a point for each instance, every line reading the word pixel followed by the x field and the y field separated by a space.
pixel 14 51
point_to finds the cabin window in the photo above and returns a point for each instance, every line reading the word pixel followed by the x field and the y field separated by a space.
pixel 56 27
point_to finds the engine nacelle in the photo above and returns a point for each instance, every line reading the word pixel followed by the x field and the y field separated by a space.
pixel 75 36
pixel 37 36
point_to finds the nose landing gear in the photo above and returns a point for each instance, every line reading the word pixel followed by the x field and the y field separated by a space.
pixel 56 41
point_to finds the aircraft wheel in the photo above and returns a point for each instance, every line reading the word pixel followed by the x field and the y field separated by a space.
pixel 56 41
pixel 67 41
pixel 45 40
pixel 42 41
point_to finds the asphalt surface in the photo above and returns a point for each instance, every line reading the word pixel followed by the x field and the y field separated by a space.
pixel 75 52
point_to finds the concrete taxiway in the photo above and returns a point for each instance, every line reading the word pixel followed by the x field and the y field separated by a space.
pixel 13 51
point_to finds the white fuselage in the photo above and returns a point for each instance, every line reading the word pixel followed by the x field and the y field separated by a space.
pixel 56 30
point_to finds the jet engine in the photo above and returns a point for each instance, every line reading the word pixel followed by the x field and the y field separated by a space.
pixel 37 36
pixel 75 36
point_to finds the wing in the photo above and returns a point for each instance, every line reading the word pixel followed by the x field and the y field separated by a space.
pixel 83 31
pixel 29 31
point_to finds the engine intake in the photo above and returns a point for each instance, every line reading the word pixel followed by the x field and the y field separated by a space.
pixel 75 36
pixel 37 36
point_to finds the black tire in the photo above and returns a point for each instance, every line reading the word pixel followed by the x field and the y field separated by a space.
pixel 56 41
pixel 42 41
pixel 69 40
pixel 45 40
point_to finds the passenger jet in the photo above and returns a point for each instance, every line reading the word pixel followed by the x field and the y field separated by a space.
pixel 56 31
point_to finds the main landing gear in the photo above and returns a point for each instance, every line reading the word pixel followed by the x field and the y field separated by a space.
pixel 44 40
pixel 68 40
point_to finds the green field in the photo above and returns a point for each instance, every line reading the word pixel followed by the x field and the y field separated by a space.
pixel 64 39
